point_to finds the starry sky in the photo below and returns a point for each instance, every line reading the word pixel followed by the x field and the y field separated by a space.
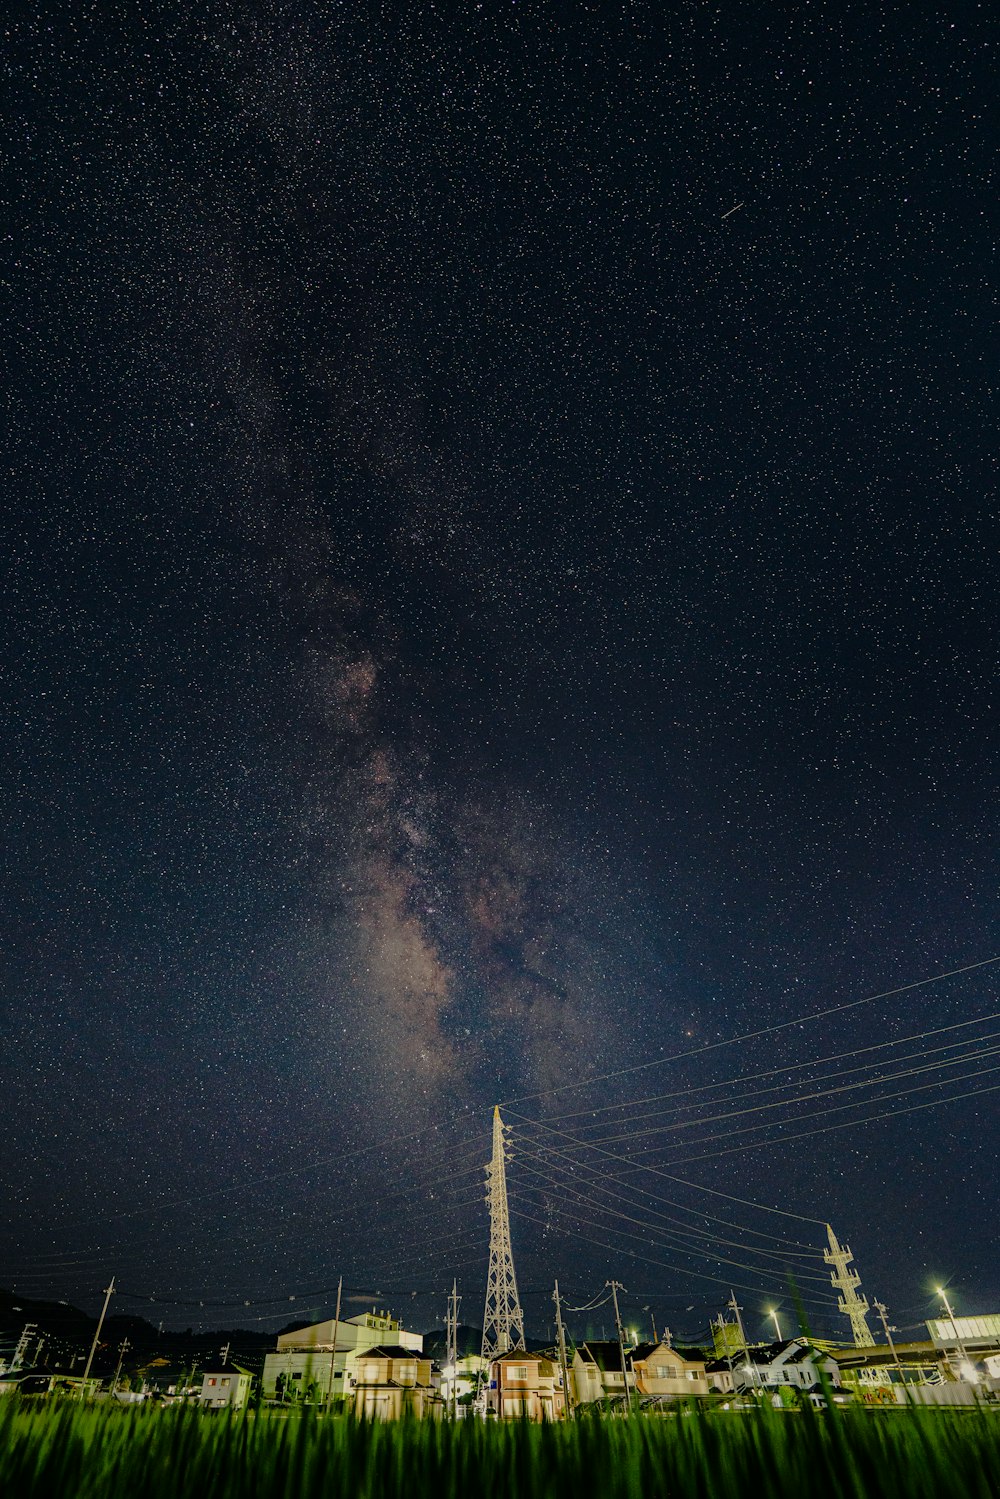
pixel 499 590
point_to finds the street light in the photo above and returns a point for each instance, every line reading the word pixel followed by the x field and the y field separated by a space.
pixel 772 1312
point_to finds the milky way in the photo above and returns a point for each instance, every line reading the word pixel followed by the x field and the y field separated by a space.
pixel 482 614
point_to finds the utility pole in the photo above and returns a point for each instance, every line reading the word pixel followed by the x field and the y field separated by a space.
pixel 122 1346
pixel 93 1347
pixel 503 1320
pixel 452 1322
pixel 652 1323
pixel 616 1286
pixel 880 1308
pixel 224 1354
pixel 754 1371
pixel 958 1337
pixel 853 1306
pixel 561 1335
pixel 333 1355
pixel 27 1333
pixel 773 1314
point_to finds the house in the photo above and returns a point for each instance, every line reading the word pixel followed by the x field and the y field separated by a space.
pixel 526 1385
pixel 225 1386
pixel 655 1371
pixel 306 1367
pixel 391 1381
pixel 596 1373
pixel 719 1373
pixel 664 1373
pixel 792 1364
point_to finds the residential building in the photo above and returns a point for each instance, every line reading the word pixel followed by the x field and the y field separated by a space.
pixel 526 1385
pixel 225 1386
pixel 664 1373
pixel 791 1364
pixel 392 1381
pixel 655 1371
pixel 596 1372
pixel 719 1373
pixel 305 1365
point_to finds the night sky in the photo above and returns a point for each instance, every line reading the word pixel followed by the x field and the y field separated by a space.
pixel 499 588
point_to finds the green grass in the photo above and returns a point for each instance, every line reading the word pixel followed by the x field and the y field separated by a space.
pixel 64 1450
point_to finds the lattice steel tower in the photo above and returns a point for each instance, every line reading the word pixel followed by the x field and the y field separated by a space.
pixel 503 1321
pixel 847 1281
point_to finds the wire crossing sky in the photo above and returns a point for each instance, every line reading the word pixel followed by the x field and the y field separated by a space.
pixel 499 596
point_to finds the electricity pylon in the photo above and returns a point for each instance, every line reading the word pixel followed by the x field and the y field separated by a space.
pixel 846 1282
pixel 503 1320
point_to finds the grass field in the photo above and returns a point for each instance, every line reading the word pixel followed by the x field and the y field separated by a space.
pixel 67 1451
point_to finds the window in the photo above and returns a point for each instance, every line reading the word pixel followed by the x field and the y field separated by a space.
pixel 518 1374
pixel 370 1373
pixel 211 1381
pixel 662 1371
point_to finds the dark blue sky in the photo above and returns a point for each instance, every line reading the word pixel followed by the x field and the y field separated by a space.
pixel 500 588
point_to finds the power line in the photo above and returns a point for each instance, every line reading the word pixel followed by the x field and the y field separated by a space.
pixel 339 1159
pixel 768 1030
pixel 680 1180
pixel 790 1103
pixel 780 1124
pixel 102 1249
pixel 618 1249
pixel 689 1240
pixel 543 1150
pixel 787 1067
pixel 667 1235
pixel 934 1103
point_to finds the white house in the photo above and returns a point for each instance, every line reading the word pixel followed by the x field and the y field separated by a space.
pixel 596 1372
pixel 300 1366
pixel 225 1386
pixel 791 1365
